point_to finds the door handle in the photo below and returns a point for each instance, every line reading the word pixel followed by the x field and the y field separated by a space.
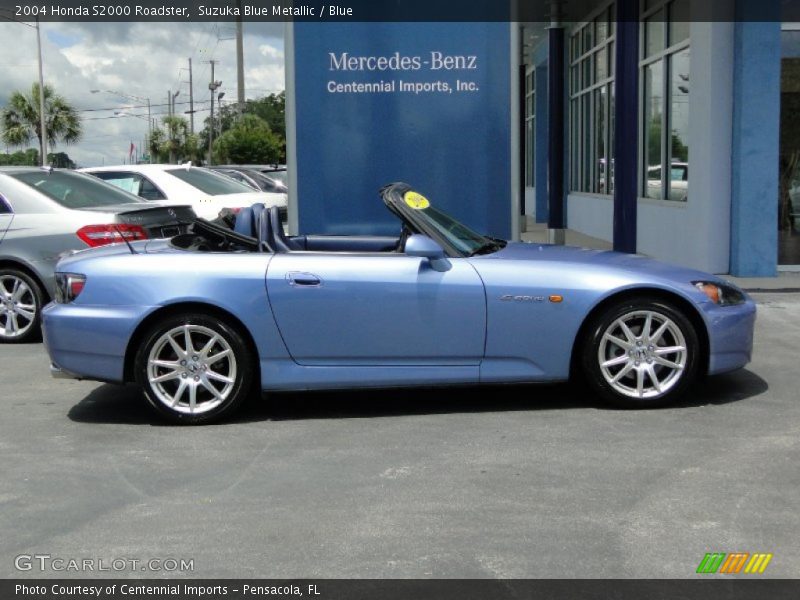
pixel 295 278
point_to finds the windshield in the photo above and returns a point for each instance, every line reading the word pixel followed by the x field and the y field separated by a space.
pixel 73 190
pixel 461 237
pixel 208 182
pixel 458 234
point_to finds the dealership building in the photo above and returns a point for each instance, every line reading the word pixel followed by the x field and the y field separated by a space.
pixel 664 127
pixel 702 151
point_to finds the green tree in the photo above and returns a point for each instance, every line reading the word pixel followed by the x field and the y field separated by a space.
pixel 174 143
pixel 271 109
pixel 21 123
pixel 250 140
pixel 29 157
pixel 60 160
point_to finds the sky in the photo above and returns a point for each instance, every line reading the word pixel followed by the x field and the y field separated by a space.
pixel 139 59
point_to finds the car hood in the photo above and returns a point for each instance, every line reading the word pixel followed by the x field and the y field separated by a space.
pixel 629 263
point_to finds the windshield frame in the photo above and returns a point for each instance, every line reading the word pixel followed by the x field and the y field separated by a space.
pixel 422 221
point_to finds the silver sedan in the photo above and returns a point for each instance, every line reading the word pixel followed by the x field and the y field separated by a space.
pixel 46 212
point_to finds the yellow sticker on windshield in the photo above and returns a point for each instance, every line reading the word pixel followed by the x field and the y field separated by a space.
pixel 416 201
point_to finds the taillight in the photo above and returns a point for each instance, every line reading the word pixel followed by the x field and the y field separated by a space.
pixel 69 286
pixel 100 235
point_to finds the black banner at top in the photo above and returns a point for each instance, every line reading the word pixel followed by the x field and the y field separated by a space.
pixel 382 10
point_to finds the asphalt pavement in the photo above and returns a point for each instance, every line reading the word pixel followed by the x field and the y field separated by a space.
pixel 488 482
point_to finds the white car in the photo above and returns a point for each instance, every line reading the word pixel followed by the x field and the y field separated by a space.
pixel 678 182
pixel 206 191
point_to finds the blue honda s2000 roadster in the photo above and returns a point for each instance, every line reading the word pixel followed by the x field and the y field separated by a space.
pixel 200 319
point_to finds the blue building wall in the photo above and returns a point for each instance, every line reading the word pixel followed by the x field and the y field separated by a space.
pixel 756 137
pixel 453 146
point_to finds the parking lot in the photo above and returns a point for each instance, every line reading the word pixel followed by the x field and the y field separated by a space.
pixel 508 482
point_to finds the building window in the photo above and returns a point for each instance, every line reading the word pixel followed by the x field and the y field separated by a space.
pixel 664 71
pixel 591 103
pixel 530 127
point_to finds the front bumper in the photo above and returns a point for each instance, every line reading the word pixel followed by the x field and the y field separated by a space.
pixel 730 335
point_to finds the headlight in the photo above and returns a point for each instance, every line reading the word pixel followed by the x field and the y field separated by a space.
pixel 69 286
pixel 721 293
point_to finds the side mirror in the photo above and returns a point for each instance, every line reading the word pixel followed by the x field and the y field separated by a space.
pixel 424 247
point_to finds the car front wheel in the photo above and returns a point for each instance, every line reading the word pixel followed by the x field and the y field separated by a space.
pixel 21 301
pixel 641 353
pixel 194 369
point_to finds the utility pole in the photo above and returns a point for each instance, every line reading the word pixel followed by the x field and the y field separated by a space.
pixel 212 87
pixel 239 60
pixel 42 116
pixel 169 103
pixel 191 99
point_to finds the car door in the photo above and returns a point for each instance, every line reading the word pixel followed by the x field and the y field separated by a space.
pixel 388 309
pixel 6 216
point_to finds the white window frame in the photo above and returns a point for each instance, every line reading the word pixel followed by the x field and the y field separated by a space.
pixel 665 56
pixel 583 173
pixel 530 125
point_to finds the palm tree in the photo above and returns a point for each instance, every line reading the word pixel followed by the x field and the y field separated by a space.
pixel 21 122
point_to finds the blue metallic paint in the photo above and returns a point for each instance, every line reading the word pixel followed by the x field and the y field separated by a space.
pixel 376 319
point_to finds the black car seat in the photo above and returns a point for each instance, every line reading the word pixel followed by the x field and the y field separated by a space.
pixel 281 242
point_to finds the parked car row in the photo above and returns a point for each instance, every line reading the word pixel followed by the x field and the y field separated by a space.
pixel 47 212
pixel 207 191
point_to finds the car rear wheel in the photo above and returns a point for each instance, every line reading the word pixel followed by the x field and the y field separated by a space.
pixel 641 353
pixel 194 369
pixel 21 301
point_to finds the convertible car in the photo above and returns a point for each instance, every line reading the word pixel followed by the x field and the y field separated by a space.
pixel 201 319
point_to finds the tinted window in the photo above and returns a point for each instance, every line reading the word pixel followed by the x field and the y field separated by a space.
pixel 4 207
pixel 74 190
pixel 149 191
pixel 277 175
pixel 133 183
pixel 240 178
pixel 208 182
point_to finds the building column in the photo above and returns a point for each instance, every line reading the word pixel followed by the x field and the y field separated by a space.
pixel 556 222
pixel 540 162
pixel 756 141
pixel 626 126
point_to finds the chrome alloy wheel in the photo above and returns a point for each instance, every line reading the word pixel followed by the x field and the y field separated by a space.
pixel 191 369
pixel 642 354
pixel 17 307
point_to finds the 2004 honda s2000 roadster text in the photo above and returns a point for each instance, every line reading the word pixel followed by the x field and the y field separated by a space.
pixel 201 319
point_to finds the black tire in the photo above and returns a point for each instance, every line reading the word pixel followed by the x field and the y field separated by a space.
pixel 168 389
pixel 647 373
pixel 13 309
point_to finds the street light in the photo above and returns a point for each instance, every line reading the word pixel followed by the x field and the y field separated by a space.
pixel 137 99
pixel 219 104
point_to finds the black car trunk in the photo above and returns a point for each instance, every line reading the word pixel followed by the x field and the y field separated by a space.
pixel 157 221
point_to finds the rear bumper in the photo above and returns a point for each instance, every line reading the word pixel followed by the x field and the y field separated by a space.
pixel 89 342
pixel 57 372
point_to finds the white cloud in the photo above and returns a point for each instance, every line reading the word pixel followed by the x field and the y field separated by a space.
pixel 140 59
